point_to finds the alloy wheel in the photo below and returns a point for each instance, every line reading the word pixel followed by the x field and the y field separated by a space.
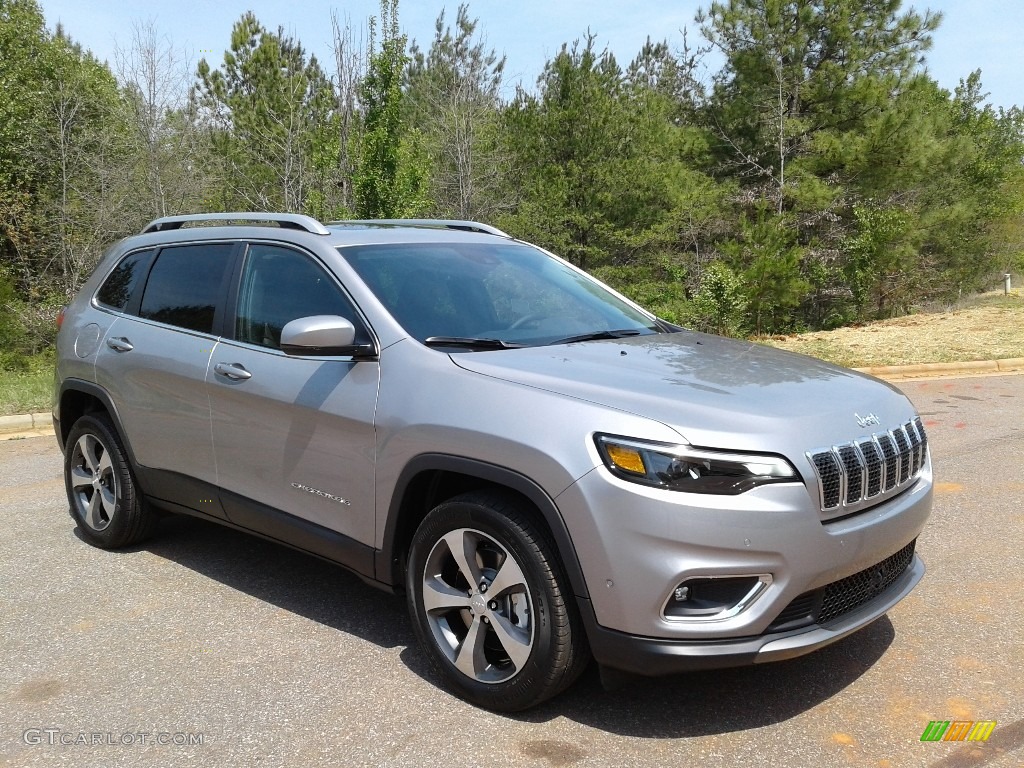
pixel 93 484
pixel 478 605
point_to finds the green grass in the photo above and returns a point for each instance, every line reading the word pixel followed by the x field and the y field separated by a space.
pixel 29 389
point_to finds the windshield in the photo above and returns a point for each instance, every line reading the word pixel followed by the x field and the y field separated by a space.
pixel 491 292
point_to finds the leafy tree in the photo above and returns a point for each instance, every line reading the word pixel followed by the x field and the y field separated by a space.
pixel 935 187
pixel 607 176
pixel 565 142
pixel 24 49
pixel 674 77
pixel 767 257
pixel 453 95
pixel 882 259
pixel 1006 228
pixel 823 111
pixel 24 44
pixel 390 180
pixel 720 304
pixel 60 177
pixel 972 189
pixel 84 143
pixel 167 153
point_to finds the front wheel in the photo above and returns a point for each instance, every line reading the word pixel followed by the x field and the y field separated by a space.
pixel 104 498
pixel 490 604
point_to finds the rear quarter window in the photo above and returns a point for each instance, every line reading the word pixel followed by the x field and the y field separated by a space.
pixel 125 281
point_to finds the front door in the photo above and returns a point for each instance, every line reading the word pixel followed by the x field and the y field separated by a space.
pixel 293 433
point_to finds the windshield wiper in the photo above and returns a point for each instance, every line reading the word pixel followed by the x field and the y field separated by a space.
pixel 469 343
pixel 598 335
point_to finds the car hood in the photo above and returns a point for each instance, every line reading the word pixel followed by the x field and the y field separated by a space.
pixel 715 392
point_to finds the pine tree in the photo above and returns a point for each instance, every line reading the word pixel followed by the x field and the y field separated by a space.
pixel 268 109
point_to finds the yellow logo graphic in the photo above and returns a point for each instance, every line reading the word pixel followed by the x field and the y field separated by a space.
pixel 958 730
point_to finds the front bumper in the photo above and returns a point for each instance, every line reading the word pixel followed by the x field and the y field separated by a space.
pixel 637 545
pixel 653 656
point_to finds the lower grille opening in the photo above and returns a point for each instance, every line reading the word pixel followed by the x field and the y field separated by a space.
pixel 825 604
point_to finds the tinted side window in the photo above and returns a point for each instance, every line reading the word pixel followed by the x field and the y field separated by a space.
pixel 280 285
pixel 184 285
pixel 121 285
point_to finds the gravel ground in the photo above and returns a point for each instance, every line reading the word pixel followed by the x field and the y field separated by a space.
pixel 270 658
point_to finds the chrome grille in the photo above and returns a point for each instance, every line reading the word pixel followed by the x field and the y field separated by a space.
pixel 924 438
pixel 853 474
pixel 903 445
pixel 872 455
pixel 853 466
pixel 891 460
pixel 829 478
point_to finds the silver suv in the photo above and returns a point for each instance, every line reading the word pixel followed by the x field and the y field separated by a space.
pixel 546 470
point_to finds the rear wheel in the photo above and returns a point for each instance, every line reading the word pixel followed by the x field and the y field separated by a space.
pixel 490 604
pixel 104 498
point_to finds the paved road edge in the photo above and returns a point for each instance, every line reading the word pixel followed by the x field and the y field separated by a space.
pixel 26 425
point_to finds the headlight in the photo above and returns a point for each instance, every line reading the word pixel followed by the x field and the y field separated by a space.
pixel 693 470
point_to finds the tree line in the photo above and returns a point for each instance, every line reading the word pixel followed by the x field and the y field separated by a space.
pixel 818 177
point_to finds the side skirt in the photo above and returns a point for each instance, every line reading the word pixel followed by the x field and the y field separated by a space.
pixel 181 494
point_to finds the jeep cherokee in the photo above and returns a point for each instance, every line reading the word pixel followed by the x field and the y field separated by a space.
pixel 547 471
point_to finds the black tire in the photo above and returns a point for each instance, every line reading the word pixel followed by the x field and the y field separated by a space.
pixel 102 493
pixel 522 643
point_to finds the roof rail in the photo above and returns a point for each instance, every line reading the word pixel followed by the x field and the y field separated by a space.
pixel 283 220
pixel 465 226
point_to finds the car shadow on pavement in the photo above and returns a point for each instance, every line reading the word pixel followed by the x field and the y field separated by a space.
pixel 695 704
pixel 710 702
pixel 275 574
pixel 720 701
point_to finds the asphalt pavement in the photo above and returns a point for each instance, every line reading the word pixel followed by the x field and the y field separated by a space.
pixel 206 647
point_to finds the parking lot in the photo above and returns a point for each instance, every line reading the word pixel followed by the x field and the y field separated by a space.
pixel 209 647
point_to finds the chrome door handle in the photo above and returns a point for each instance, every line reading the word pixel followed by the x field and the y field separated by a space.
pixel 120 344
pixel 235 371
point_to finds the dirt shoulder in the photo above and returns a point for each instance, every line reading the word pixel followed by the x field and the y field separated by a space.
pixel 988 327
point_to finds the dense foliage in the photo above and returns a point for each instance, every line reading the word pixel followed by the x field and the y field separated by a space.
pixel 821 177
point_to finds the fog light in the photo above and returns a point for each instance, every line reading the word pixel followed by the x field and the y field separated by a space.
pixel 714 597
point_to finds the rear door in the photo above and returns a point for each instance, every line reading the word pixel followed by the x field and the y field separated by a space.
pixel 154 356
pixel 292 433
